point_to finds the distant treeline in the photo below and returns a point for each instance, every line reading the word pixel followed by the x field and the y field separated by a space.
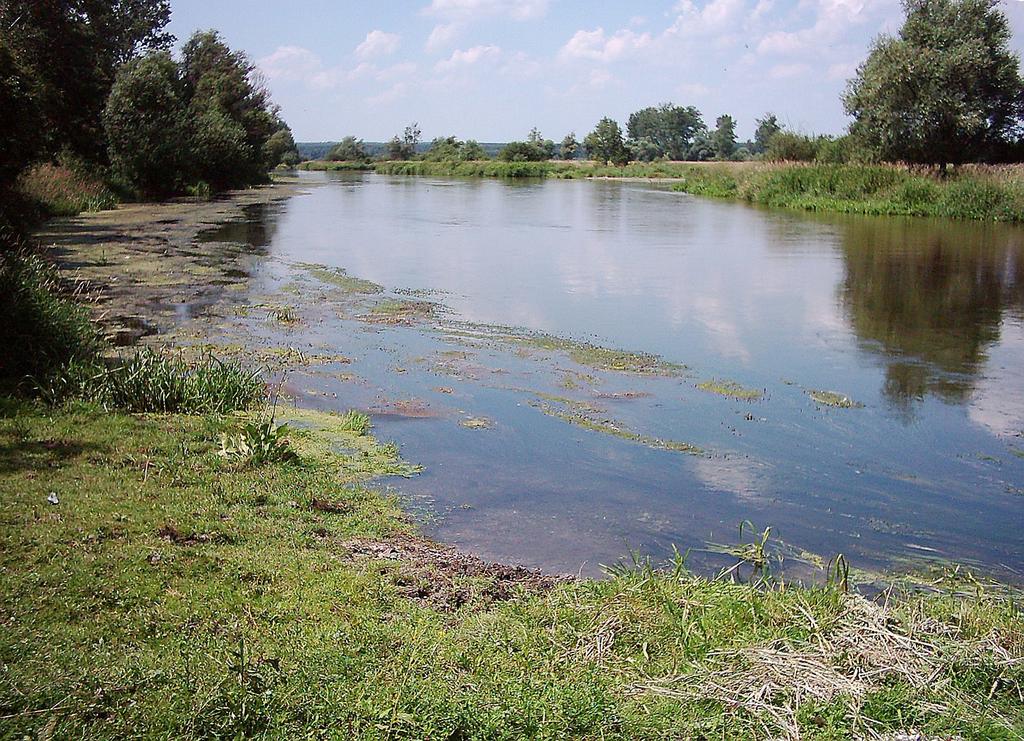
pixel 318 150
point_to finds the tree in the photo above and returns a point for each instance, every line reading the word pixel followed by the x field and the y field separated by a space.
pixel 230 109
pixel 145 124
pixel 545 147
pixel 670 128
pixel 204 119
pixel 723 138
pixel 404 148
pixel 767 127
pixel 789 146
pixel 280 148
pixel 21 124
pixel 70 52
pixel 947 89
pixel 348 149
pixel 605 144
pixel 644 149
pixel 472 150
pixel 570 147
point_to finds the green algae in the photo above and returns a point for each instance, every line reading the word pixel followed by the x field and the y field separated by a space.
pixel 730 389
pixel 340 279
pixel 833 399
pixel 590 417
pixel 345 440
pixel 400 312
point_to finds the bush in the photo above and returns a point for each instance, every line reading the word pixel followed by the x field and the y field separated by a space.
pixel 791 147
pixel 43 327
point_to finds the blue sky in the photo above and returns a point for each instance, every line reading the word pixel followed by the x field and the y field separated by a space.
pixel 492 69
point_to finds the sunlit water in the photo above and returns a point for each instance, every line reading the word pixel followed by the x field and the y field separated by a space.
pixel 920 321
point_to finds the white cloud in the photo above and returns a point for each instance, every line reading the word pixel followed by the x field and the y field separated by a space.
pixel 519 10
pixel 841 70
pixel 716 16
pixel 442 35
pixel 521 65
pixel 596 45
pixel 392 94
pixel 289 63
pixel 693 88
pixel 378 44
pixel 782 71
pixel 462 58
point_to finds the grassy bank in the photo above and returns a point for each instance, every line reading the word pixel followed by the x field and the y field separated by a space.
pixel 183 590
pixel 981 193
pixel 973 192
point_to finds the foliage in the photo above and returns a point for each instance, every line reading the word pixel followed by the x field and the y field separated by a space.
pixel 789 146
pixel 486 168
pixel 258 442
pixel 231 113
pixel 68 54
pixel 61 190
pixel 535 149
pixel 349 149
pixel 723 138
pixel 450 149
pixel 666 131
pixel 21 120
pixel 643 149
pixel 150 381
pixel 767 127
pixel 605 144
pixel 145 123
pixel 43 326
pixel 570 147
pixel 204 119
pixel 866 189
pixel 279 149
pixel 404 148
pixel 946 90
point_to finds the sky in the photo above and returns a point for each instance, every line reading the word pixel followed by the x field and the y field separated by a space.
pixel 491 70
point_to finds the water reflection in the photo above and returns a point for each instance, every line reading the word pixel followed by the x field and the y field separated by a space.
pixel 929 298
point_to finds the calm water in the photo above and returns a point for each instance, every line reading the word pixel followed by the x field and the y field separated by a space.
pixel 920 321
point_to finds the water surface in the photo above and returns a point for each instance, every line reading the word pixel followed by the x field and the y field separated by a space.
pixel 918 321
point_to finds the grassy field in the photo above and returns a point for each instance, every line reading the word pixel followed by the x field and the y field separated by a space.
pixel 181 587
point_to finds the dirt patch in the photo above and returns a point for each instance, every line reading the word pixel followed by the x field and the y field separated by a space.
pixel 172 534
pixel 444 578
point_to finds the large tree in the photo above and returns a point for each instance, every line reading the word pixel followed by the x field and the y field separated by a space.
pixel 767 127
pixel 670 128
pixel 946 89
pixel 605 143
pixel 723 138
pixel 69 52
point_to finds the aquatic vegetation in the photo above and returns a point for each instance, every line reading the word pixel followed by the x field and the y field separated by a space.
pixel 833 399
pixel 476 423
pixel 401 312
pixel 730 389
pixel 591 417
pixel 354 421
pixel 340 279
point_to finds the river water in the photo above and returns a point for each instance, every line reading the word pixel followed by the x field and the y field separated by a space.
pixel 918 323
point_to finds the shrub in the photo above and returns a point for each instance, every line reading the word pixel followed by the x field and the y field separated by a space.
pixel 792 147
pixel 43 327
pixel 258 442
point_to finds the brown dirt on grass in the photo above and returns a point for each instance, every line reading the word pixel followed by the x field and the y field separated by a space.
pixel 446 579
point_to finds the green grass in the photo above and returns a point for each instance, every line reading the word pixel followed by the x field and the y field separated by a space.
pixel 730 389
pixel 173 593
pixel 991 194
pixel 151 381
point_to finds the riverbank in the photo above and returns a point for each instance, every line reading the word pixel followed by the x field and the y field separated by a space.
pixel 174 587
pixel 974 192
